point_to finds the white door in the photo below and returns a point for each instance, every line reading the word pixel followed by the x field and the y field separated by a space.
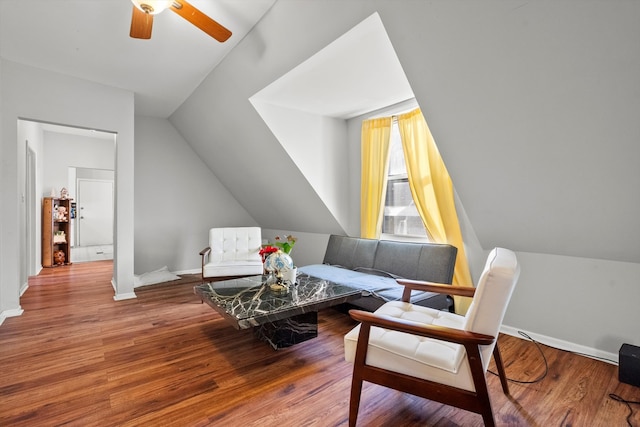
pixel 94 212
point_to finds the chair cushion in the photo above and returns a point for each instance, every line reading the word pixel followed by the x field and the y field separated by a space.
pixel 232 268
pixel 235 244
pixel 234 252
pixel 414 355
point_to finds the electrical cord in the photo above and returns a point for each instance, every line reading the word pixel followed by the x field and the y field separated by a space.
pixel 612 396
pixel 544 358
pixel 626 402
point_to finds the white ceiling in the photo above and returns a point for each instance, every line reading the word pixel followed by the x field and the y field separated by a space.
pixel 355 74
pixel 90 39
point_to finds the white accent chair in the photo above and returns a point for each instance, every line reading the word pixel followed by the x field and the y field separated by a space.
pixel 433 354
pixel 232 252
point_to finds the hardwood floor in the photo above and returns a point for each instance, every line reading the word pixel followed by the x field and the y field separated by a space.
pixel 76 357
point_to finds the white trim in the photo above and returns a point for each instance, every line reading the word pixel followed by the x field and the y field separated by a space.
pixel 392 110
pixel 594 353
pixel 123 296
pixel 128 295
pixel 193 271
pixel 10 313
pixel 23 289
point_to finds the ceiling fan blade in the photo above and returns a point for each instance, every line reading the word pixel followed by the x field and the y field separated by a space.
pixel 141 24
pixel 200 20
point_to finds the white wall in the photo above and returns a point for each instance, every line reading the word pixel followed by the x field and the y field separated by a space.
pixel 533 112
pixel 572 302
pixel 62 151
pixel 318 146
pixel 31 134
pixel 36 94
pixel 177 200
pixel 309 248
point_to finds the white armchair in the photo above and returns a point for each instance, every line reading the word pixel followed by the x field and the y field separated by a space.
pixel 435 354
pixel 232 252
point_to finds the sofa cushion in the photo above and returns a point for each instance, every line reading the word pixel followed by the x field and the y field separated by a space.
pixel 398 257
pixel 432 262
pixel 350 252
pixel 388 259
pixel 380 286
pixel 344 276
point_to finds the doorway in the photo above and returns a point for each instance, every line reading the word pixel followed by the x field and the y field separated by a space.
pixel 52 150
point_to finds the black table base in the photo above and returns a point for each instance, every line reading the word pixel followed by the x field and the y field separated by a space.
pixel 287 332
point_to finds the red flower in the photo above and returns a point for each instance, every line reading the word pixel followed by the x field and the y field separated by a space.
pixel 267 250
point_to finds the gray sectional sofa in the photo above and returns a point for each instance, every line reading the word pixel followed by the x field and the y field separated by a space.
pixel 373 265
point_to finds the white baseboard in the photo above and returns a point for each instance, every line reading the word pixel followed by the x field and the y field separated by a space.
pixel 10 313
pixel 563 345
pixel 123 296
pixel 128 295
pixel 195 271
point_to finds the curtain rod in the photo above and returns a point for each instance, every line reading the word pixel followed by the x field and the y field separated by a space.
pixel 405 106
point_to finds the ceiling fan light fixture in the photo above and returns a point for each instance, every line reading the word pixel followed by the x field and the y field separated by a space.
pixel 152 7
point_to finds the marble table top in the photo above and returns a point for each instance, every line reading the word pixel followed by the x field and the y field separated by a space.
pixel 249 301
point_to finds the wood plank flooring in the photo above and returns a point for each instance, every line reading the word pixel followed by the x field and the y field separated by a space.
pixel 76 357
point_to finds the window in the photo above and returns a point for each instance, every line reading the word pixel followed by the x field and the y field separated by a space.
pixel 401 217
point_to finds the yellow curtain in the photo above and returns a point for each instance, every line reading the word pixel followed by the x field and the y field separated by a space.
pixel 432 191
pixel 375 165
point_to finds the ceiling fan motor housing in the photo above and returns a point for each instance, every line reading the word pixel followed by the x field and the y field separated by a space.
pixel 152 7
pixel 143 11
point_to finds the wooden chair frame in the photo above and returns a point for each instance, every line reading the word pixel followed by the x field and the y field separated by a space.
pixel 204 254
pixel 477 401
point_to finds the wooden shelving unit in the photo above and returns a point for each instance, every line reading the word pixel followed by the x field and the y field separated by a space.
pixel 56 232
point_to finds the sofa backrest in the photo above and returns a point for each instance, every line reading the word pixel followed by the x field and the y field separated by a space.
pixel 350 252
pixel 418 261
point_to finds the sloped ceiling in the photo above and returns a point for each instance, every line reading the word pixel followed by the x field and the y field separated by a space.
pixel 534 112
pixel 307 108
pixel 355 74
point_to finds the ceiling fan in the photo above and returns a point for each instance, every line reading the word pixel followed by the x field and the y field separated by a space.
pixel 143 11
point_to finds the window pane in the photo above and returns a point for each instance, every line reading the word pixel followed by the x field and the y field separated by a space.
pixel 400 213
pixel 396 155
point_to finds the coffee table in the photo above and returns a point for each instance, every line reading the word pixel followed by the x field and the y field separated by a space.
pixel 280 319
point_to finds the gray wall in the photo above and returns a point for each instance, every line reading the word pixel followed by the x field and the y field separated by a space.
pixel 534 113
pixel 177 200
pixel 35 94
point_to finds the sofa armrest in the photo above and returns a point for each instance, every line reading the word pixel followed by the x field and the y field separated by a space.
pixel 205 251
pixel 419 285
